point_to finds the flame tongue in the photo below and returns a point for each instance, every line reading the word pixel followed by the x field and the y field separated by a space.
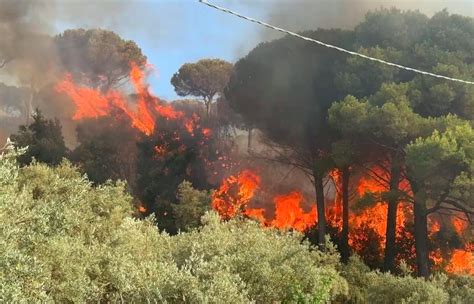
pixel 235 193
pixel 289 214
pixel 91 103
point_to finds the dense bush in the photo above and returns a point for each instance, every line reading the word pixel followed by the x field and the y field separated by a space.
pixel 191 206
pixel 66 241
pixel 367 286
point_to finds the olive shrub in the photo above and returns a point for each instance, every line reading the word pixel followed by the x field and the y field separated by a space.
pixel 63 240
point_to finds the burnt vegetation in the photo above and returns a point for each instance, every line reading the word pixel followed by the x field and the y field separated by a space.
pixel 371 165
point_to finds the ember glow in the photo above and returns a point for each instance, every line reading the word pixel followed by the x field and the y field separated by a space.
pixel 141 208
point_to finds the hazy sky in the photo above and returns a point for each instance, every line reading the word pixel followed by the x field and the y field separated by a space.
pixel 173 32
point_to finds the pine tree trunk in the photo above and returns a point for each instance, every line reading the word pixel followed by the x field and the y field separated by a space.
pixel 345 215
pixel 249 140
pixel 29 106
pixel 207 103
pixel 319 188
pixel 391 229
pixel 421 239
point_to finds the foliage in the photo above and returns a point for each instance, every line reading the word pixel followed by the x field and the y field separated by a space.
pixel 98 57
pixel 44 140
pixel 375 287
pixel 167 158
pixel 460 289
pixel 107 149
pixel 66 241
pixel 192 204
pixel 205 79
pixel 277 274
pixel 440 168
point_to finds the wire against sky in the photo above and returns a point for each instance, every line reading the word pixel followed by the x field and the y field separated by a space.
pixel 225 10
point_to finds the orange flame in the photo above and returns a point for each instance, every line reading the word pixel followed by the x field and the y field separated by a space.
pixel 461 262
pixel 91 103
pixel 235 193
pixel 141 208
pixel 289 214
pixel 459 225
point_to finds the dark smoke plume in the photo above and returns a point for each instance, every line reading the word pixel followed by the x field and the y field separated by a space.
pixel 26 49
pixel 301 15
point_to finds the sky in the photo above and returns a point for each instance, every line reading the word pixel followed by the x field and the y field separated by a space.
pixel 173 32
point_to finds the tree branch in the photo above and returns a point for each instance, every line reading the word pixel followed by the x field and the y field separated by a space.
pixel 458 205
pixel 378 176
pixel 437 206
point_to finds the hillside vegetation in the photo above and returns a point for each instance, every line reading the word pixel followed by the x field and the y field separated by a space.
pixel 66 241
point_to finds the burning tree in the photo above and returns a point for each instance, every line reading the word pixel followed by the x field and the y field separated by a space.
pixel 284 88
pixel 387 130
pixel 392 127
pixel 172 146
pixel 166 158
pixel 440 169
pixel 98 58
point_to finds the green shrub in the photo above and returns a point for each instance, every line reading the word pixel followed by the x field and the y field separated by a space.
pixel 460 289
pixel 375 287
pixel 272 265
pixel 191 206
pixel 65 241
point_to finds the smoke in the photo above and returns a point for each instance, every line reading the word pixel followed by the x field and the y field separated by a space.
pixel 300 15
pixel 26 51
pixel 29 57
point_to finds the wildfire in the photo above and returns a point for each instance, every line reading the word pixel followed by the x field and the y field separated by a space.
pixel 92 103
pixel 236 193
pixel 289 214
pixel 141 208
pixel 462 261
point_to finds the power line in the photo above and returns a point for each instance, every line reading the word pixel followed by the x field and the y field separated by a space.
pixel 225 10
